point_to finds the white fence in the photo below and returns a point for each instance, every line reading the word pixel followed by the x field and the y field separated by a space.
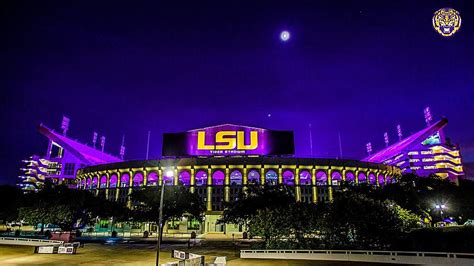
pixel 396 257
pixel 29 241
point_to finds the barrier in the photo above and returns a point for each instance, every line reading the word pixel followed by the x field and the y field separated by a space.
pixel 396 257
pixel 29 241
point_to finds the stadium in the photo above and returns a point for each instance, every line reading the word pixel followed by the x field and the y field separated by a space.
pixel 200 160
pixel 218 162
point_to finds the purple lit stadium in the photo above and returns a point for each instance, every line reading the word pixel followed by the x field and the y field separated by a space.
pixel 218 162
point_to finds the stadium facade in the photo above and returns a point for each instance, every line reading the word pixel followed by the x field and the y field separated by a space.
pixel 218 162
pixel 427 152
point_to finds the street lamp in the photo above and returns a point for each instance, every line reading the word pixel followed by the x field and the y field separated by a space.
pixel 441 208
pixel 168 173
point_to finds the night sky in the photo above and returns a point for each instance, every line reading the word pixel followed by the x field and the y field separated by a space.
pixel 354 67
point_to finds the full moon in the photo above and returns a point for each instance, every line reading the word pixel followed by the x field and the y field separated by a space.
pixel 285 36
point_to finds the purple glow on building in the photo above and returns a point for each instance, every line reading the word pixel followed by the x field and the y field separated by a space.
pixel 254 177
pixel 103 181
pixel 201 178
pixel 152 179
pixel 218 178
pixel 336 176
pixel 124 180
pixel 137 179
pixel 113 181
pixel 305 177
pixel 288 177
pixel 184 178
pixel 362 178
pixel 321 178
pixel 372 179
pixel 236 177
pixel 423 153
pixel 350 177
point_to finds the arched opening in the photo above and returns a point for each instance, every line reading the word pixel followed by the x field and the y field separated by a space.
pixel 372 179
pixel 288 178
pixel 350 177
pixel 388 180
pixel 236 178
pixel 305 177
pixel 271 177
pixel 103 182
pixel 185 177
pixel 95 182
pixel 381 180
pixel 89 183
pixel 201 178
pixel 362 178
pixel 152 179
pixel 113 181
pixel 124 180
pixel 138 179
pixel 321 178
pixel 218 178
pixel 336 178
pixel 253 177
pixel 168 178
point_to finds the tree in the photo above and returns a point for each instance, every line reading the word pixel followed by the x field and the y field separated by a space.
pixel 66 208
pixel 354 220
pixel 254 199
pixel 177 202
pixel 12 199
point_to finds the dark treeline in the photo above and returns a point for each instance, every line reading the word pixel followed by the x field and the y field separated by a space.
pixel 401 216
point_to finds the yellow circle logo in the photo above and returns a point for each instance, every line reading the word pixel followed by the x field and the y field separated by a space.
pixel 446 21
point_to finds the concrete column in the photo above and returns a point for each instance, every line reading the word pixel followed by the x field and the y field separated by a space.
pixel 118 188
pixel 313 186
pixel 145 177
pixel 297 185
pixel 280 176
pixel 226 187
pixel 262 175
pixel 130 188
pixel 175 176
pixel 356 178
pixel 192 181
pixel 330 190
pixel 107 176
pixel 245 179
pixel 160 177
pixel 209 189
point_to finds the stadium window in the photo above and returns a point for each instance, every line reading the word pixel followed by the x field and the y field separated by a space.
pixel 69 169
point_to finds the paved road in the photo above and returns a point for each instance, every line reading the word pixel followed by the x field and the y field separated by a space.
pixel 134 254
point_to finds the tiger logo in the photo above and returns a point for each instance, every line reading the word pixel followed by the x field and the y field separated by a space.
pixel 446 21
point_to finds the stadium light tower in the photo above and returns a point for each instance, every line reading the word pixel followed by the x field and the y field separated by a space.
pixel 94 138
pixel 428 117
pixel 399 132
pixel 102 142
pixel 369 147
pixel 65 125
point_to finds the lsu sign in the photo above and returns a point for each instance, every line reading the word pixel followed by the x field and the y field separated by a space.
pixel 228 140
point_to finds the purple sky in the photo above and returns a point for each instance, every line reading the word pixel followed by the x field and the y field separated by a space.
pixel 358 68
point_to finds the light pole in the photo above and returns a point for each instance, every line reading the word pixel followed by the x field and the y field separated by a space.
pixel 160 217
pixel 441 208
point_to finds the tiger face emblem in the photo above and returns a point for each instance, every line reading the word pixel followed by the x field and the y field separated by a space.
pixel 446 21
